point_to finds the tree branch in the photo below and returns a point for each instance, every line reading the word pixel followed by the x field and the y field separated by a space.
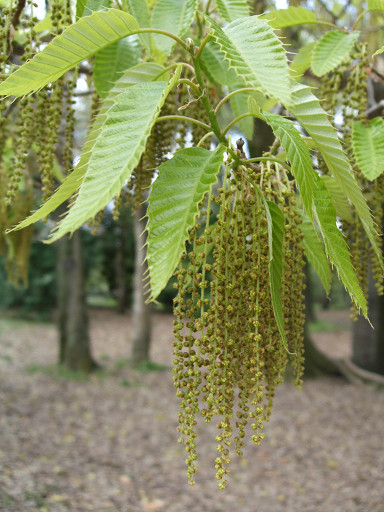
pixel 19 9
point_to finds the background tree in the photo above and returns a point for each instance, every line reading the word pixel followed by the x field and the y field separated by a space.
pixel 238 249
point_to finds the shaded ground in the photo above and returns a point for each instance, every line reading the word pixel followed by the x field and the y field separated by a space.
pixel 109 443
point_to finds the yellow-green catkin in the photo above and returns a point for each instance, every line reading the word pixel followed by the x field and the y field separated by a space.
pixel 160 143
pixel 229 356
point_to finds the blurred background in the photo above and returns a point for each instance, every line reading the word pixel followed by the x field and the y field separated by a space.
pixel 88 412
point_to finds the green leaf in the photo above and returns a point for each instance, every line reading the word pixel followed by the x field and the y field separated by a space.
pixel 230 10
pixel 375 5
pixel 215 67
pixel 314 252
pixel 335 246
pixel 289 17
pixel 302 60
pixel 78 42
pixel 144 72
pixel 182 183
pixel 307 110
pixel 87 7
pixel 331 50
pixel 116 150
pixel 339 199
pixel 298 155
pixel 239 105
pixel 112 61
pixel 139 10
pixel 276 265
pixel 256 54
pixel 377 52
pixel 368 147
pixel 174 16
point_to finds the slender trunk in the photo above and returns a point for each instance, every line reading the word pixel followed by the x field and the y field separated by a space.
pixel 368 343
pixel 74 348
pixel 141 310
pixel 120 271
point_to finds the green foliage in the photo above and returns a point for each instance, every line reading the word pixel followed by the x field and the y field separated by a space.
pixel 335 245
pixel 283 18
pixel 306 108
pixel 168 227
pixel 375 5
pixel 277 221
pixel 368 147
pixel 78 42
pixel 331 50
pixel 230 10
pixel 112 61
pixel 174 16
pixel 117 150
pixel 256 54
pixel 233 236
pixel 314 251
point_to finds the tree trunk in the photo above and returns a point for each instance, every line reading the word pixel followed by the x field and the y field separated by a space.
pixel 141 310
pixel 316 362
pixel 368 343
pixel 74 344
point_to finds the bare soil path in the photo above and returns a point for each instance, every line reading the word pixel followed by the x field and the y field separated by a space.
pixel 109 443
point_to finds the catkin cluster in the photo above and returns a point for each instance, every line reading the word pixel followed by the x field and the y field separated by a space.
pixel 228 353
pixel 30 130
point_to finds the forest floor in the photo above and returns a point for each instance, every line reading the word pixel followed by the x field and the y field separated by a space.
pixel 109 443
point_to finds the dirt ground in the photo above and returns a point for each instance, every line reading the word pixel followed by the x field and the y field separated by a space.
pixel 109 443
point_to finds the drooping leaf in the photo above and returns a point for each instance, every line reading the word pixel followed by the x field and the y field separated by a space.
pixel 335 245
pixel 239 105
pixel 298 155
pixel 283 18
pixel 375 5
pixel 314 252
pixel 339 199
pixel 111 61
pixel 307 110
pixel 215 67
pixel 173 206
pixel 78 42
pixel 302 60
pixel 256 54
pixel 139 10
pixel 368 147
pixel 230 10
pixel 87 7
pixel 116 151
pixel 330 51
pixel 174 16
pixel 276 266
pixel 144 72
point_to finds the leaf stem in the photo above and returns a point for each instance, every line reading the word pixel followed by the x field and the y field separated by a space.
pixel 164 33
pixel 190 84
pixel 205 137
pixel 358 19
pixel 184 118
pixel 201 48
pixel 266 159
pixel 236 120
pixel 229 96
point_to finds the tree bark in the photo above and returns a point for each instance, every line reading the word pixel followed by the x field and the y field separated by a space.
pixel 141 310
pixel 74 343
pixel 368 343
